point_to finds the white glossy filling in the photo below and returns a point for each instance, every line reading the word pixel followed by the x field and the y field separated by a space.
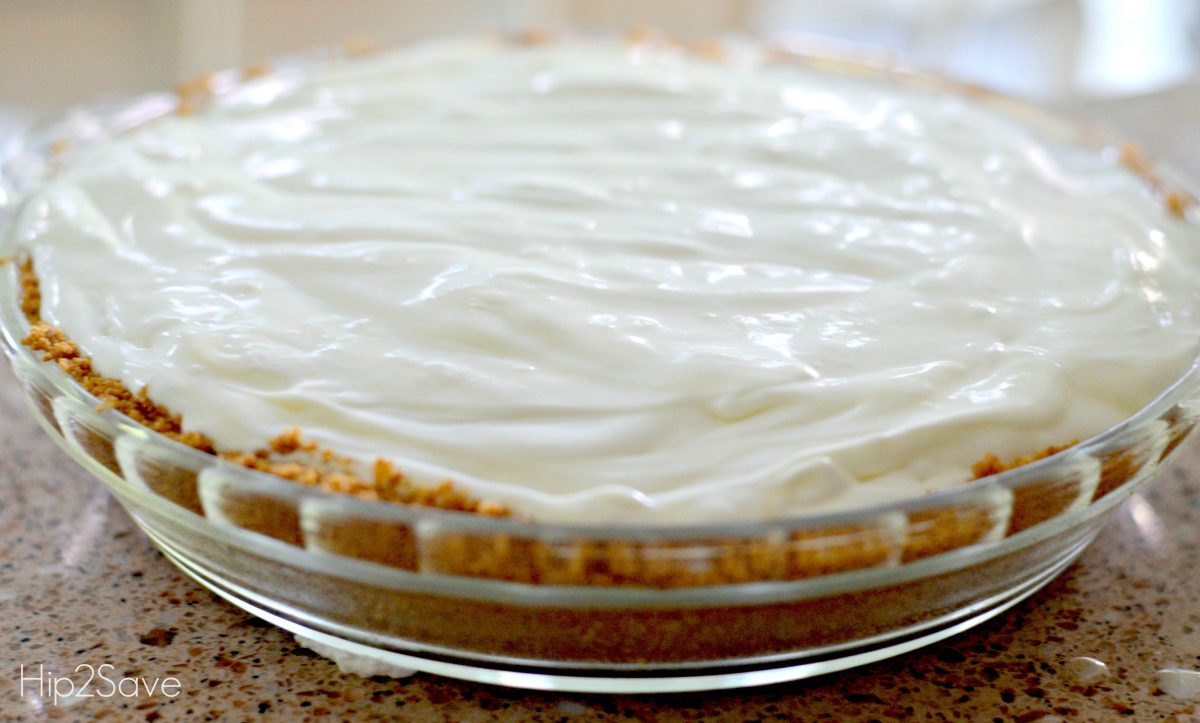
pixel 603 283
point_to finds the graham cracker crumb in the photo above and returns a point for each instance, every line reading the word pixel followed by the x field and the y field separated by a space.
pixel 535 36
pixel 710 48
pixel 333 473
pixel 1134 158
pixel 357 46
pixel 257 70
pixel 1174 202
pixel 193 92
pixel 991 464
pixel 289 442
pixel 1178 204
pixel 31 292
pixel 640 34
pixel 651 36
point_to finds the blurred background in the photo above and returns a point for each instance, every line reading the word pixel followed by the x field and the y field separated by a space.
pixel 1113 59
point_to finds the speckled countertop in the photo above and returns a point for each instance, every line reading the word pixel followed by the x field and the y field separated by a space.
pixel 80 586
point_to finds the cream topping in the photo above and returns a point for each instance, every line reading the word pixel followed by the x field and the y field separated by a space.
pixel 601 282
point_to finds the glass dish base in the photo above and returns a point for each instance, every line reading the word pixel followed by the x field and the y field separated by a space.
pixel 719 675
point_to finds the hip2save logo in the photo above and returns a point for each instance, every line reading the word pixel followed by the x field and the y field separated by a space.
pixel 94 681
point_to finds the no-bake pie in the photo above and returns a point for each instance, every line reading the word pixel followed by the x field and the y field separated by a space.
pixel 601 281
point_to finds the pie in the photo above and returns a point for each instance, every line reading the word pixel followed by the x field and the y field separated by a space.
pixel 593 280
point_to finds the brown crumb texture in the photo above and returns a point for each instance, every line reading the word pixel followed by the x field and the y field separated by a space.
pixel 640 34
pixel 264 514
pixel 991 464
pixel 666 564
pixel 659 564
pixel 710 48
pixel 312 465
pixel 655 37
pixel 193 93
pixel 1179 427
pixel 534 36
pixel 389 543
pixel 97 445
pixel 257 70
pixel 494 556
pixel 622 562
pixel 31 292
pixel 358 46
pixel 1178 204
pixel 1135 159
pixel 1039 501
pixel 932 532
pixel 309 464
pixel 1117 468
pixel 648 633
pixel 177 484
pixel 812 553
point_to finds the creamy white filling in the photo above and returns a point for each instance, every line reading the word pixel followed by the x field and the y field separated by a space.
pixel 609 283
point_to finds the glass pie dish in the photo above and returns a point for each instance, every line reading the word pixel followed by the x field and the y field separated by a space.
pixel 583 607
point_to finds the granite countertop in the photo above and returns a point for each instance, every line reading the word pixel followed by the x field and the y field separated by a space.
pixel 80 586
